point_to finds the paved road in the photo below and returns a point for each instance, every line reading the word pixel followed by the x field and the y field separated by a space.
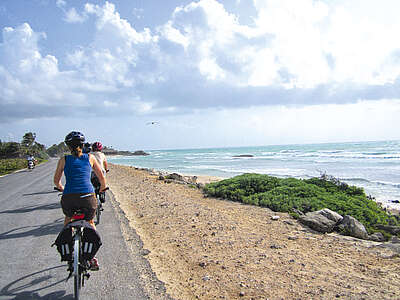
pixel 31 218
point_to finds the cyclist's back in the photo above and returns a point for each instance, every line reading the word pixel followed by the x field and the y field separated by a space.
pixel 77 172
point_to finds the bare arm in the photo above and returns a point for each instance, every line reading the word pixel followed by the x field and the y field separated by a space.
pixel 58 173
pixel 105 164
pixel 97 170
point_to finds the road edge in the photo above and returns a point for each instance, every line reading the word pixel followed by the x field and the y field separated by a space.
pixel 153 287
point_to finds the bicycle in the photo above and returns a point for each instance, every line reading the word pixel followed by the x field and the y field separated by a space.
pixel 78 267
pixel 77 243
pixel 100 196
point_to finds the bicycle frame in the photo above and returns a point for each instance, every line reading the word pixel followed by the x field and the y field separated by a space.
pixel 78 266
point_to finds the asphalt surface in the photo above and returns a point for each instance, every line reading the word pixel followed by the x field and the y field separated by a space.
pixel 30 220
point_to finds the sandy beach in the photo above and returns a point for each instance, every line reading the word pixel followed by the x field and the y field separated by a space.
pixel 206 248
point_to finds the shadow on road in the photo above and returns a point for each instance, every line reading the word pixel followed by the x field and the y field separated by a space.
pixel 27 287
pixel 38 230
pixel 41 193
pixel 31 208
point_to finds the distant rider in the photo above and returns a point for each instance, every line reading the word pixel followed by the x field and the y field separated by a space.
pixel 78 191
pixel 32 159
pixel 101 159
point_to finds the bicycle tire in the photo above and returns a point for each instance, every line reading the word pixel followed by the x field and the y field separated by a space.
pixel 77 271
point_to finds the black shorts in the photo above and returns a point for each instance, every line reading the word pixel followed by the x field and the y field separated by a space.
pixel 88 201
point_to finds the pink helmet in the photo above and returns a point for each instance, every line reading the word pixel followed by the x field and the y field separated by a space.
pixel 97 146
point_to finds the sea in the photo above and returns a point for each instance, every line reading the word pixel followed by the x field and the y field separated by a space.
pixel 374 166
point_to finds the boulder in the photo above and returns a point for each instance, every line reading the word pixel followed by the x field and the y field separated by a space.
pixel 331 215
pixel 388 228
pixel 317 221
pixel 377 237
pixel 353 227
pixel 394 240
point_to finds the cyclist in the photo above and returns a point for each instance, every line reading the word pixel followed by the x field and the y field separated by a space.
pixel 101 159
pixel 78 191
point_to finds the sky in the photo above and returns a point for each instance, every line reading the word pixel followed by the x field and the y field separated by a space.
pixel 151 74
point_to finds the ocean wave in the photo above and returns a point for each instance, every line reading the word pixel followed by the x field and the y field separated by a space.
pixel 375 182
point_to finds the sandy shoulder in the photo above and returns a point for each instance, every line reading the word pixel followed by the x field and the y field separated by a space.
pixel 206 248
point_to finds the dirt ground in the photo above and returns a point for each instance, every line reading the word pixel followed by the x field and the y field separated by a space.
pixel 207 248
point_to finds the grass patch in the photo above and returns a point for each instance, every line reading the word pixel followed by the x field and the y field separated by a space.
pixel 304 195
pixel 9 165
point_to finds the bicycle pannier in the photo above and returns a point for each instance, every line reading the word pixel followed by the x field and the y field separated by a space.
pixel 91 241
pixel 64 244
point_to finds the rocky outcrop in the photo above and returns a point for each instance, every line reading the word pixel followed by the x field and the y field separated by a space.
pixel 140 152
pixel 391 229
pixel 126 153
pixel 178 178
pixel 353 227
pixel 323 220
pixel 326 220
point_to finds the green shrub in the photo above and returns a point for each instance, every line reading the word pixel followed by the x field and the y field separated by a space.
pixel 291 194
pixel 11 165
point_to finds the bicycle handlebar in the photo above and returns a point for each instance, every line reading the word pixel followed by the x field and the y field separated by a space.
pixel 57 189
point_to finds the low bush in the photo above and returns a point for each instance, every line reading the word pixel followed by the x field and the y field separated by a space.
pixel 304 195
pixel 10 165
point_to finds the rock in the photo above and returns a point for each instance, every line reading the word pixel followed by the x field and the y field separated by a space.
pixel 175 176
pixel 140 152
pixel 394 240
pixel 353 227
pixel 377 237
pixel 299 212
pixel 331 215
pixel 391 229
pixel 145 252
pixel 317 221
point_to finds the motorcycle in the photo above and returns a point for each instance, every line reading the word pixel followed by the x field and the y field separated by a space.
pixel 31 165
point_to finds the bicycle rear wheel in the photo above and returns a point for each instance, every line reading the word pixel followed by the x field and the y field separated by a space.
pixel 77 271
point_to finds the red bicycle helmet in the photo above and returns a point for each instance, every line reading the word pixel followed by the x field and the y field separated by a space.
pixel 97 146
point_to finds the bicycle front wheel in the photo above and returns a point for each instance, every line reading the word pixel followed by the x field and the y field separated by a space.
pixel 77 271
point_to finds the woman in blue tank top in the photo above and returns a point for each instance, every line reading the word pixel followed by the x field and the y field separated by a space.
pixel 78 191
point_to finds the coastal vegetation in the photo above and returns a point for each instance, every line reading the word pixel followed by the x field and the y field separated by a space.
pixel 13 154
pixel 300 196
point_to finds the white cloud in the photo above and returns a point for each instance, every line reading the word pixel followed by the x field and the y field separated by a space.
pixel 72 16
pixel 61 3
pixel 294 52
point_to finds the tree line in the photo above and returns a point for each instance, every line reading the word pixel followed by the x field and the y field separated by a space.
pixel 29 146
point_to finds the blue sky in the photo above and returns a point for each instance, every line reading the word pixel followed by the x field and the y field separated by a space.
pixel 208 73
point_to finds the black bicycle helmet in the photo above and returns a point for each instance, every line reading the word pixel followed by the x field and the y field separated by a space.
pixel 74 138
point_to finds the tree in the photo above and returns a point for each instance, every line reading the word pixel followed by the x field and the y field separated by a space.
pixel 10 150
pixel 28 139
